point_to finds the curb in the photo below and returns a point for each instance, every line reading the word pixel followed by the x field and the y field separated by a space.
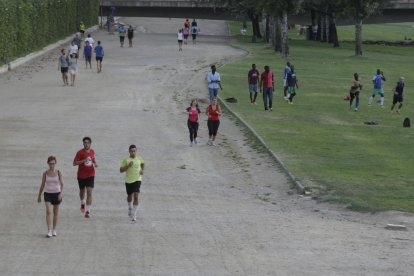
pixel 299 186
pixel 20 61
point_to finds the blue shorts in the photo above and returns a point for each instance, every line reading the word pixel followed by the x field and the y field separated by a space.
pixel 253 88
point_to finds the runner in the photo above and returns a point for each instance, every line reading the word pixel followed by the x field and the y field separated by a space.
pixel 186 32
pixel 193 115
pixel 213 113
pixel 52 185
pixel 285 73
pixel 133 165
pixel 378 89
pixel 87 55
pixel 99 54
pixel 130 35
pixel 354 92
pixel 398 95
pixel 90 40
pixel 194 33
pixel 64 66
pixel 122 32
pixel 77 40
pixel 292 83
pixel 180 38
pixel 266 85
pixel 213 79
pixel 253 81
pixel 82 28
pixel 85 160
pixel 73 69
pixel 187 23
pixel 73 49
pixel 194 23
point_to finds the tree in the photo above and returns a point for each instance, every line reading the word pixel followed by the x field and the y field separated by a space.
pixel 246 9
pixel 360 10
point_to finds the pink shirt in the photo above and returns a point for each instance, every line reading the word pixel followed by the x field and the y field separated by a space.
pixel 193 114
pixel 52 184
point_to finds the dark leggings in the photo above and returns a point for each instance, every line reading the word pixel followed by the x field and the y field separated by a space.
pixel 193 128
pixel 291 97
pixel 353 96
pixel 213 127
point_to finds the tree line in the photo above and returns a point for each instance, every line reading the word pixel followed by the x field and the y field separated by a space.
pixel 29 25
pixel 275 14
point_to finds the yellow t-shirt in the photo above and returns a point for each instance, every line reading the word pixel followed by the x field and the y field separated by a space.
pixel 133 173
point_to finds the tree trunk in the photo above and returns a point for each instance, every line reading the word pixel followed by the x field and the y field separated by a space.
pixel 255 27
pixel 285 43
pixel 333 31
pixel 318 34
pixel 278 35
pixel 327 35
pixel 358 36
pixel 323 31
pixel 267 29
pixel 312 36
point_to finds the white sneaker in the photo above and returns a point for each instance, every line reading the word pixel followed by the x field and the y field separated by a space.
pixel 209 143
pixel 54 234
pixel 134 218
pixel 213 143
pixel 49 234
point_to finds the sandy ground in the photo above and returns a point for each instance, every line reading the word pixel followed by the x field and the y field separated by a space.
pixel 225 210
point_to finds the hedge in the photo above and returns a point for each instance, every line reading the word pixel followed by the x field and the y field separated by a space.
pixel 29 25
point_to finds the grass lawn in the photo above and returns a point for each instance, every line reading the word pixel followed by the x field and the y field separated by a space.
pixel 323 143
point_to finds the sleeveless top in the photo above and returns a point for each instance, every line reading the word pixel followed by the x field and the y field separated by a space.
pixel 52 184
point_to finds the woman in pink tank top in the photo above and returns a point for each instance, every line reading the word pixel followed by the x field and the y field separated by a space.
pixel 52 186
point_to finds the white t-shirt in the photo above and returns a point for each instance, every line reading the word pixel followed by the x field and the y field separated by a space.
pixel 90 40
pixel 180 36
pixel 73 49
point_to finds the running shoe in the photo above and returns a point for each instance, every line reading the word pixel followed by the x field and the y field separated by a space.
pixel 49 234
pixel 213 143
pixel 87 214
pixel 134 218
pixel 54 234
pixel 82 208
pixel 195 141
pixel 356 109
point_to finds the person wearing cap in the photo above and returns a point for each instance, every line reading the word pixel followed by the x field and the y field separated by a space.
pixel 398 95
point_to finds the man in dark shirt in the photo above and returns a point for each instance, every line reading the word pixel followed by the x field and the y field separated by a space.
pixel 398 95
pixel 253 81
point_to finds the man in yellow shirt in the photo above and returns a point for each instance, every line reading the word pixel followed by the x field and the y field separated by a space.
pixel 133 165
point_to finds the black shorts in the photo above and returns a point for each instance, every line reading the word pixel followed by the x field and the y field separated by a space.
pixel 99 59
pixel 133 187
pixel 354 94
pixel 397 99
pixel 122 38
pixel 53 198
pixel 194 36
pixel 86 182
pixel 88 59
pixel 64 69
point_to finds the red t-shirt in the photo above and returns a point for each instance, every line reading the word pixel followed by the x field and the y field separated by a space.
pixel 86 169
pixel 213 113
pixel 267 78
pixel 193 114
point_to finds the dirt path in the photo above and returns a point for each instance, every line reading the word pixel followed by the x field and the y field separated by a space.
pixel 222 210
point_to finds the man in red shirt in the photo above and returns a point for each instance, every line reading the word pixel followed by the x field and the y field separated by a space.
pixel 85 160
pixel 253 80
pixel 266 85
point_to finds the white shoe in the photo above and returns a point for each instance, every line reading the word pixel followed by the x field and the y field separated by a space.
pixel 54 234
pixel 213 143
pixel 209 143
pixel 134 218
pixel 49 234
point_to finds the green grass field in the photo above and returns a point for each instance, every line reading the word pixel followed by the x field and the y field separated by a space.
pixel 324 144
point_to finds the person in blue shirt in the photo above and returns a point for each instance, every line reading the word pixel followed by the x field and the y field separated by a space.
pixel 378 89
pixel 87 54
pixel 99 54
pixel 122 33
pixel 285 74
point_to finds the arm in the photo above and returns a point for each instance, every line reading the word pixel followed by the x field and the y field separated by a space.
pixel 126 167
pixel 77 163
pixel 142 168
pixel 61 185
pixel 260 83
pixel 42 186
pixel 219 110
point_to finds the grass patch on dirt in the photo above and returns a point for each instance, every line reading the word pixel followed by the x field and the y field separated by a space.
pixel 321 141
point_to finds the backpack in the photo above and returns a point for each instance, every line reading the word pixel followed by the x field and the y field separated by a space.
pixel 407 122
pixel 378 81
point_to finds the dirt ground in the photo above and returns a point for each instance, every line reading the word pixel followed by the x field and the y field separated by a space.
pixel 225 210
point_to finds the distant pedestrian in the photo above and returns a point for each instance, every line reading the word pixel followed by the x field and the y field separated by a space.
pixel 187 23
pixel 253 82
pixel 285 73
pixel 73 69
pixel 398 95
pixel 122 33
pixel 82 29
pixel 99 55
pixel 133 166
pixel 186 32
pixel 52 185
pixel 180 38
pixel 130 35
pixel 90 40
pixel 194 33
pixel 292 83
pixel 193 115
pixel 378 89
pixel 214 82
pixel 354 92
pixel 85 160
pixel 77 40
pixel 73 49
pixel 213 113
pixel 87 54
pixel 194 23
pixel 266 86
pixel 64 66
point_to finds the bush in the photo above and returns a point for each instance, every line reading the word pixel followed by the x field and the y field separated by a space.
pixel 29 25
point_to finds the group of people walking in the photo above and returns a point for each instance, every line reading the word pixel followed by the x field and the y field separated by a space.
pixel 183 33
pixel 52 183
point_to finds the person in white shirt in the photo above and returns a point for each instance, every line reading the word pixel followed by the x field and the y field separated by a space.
pixel 213 79
pixel 180 38
pixel 73 49
pixel 90 40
